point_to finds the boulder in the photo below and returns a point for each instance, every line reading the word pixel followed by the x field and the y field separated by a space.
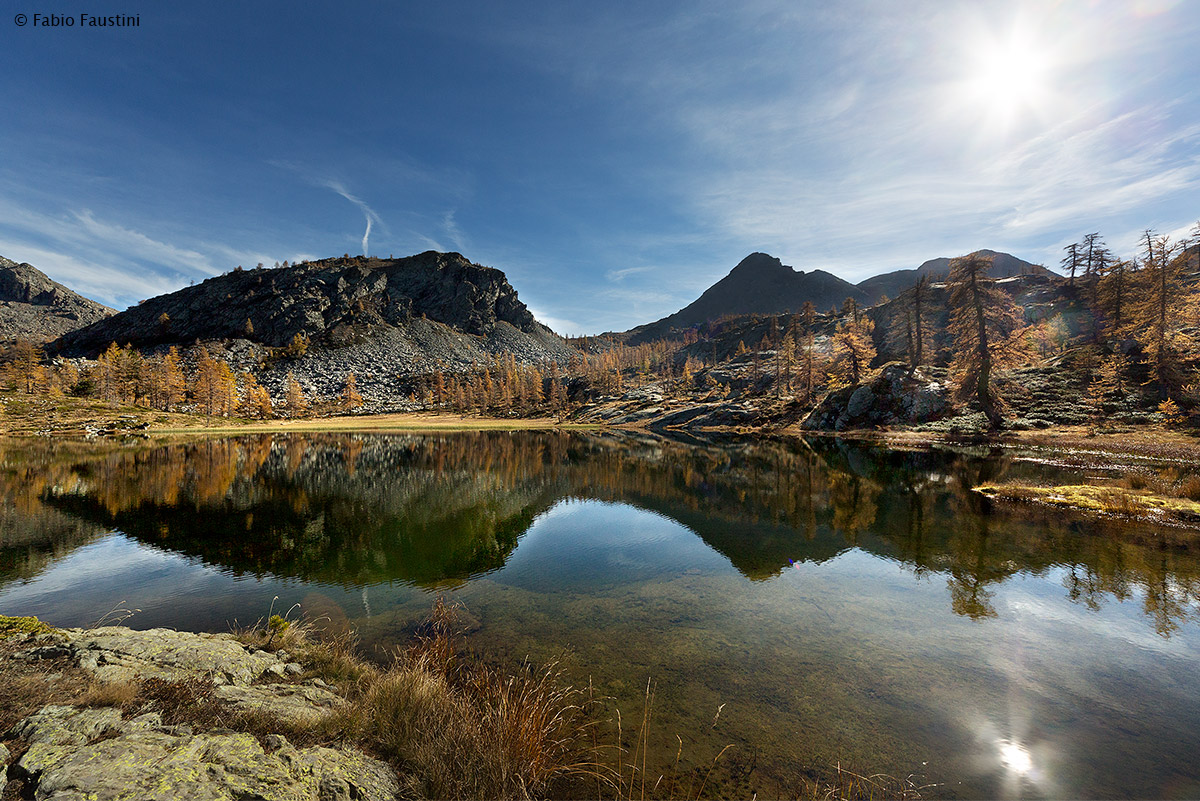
pixel 895 396
pixel 117 654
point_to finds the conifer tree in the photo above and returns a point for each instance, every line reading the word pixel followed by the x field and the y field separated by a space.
pixel 853 351
pixel 351 400
pixel 1162 310
pixel 983 322
pixel 296 403
pixel 67 375
pixel 1114 294
pixel 809 367
pixel 256 401
pixel 24 369
pixel 1070 262
pixel 172 382
pixel 1109 379
pixel 909 330
pixel 215 387
pixel 107 373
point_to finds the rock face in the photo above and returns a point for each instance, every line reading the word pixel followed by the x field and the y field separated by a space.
pixel 384 320
pixel 36 308
pixel 92 753
pixel 892 397
pixel 333 301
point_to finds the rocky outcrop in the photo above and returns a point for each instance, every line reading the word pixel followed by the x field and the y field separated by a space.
pixel 79 753
pixel 337 302
pixel 97 753
pixel 892 397
pixel 246 678
pixel 390 322
pixel 34 307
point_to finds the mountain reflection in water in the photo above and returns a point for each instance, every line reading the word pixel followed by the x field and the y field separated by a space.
pixel 848 604
pixel 434 510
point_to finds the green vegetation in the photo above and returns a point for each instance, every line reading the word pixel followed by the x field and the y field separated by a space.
pixel 10 626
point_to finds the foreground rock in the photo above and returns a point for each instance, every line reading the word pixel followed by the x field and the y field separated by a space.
pixel 92 753
pixel 77 753
pixel 117 654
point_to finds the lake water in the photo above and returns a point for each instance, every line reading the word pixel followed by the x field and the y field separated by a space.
pixel 810 605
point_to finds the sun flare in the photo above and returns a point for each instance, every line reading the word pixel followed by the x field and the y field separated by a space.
pixel 1008 77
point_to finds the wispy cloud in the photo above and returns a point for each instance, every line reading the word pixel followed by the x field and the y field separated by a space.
pixel 367 211
pixel 625 272
pixel 112 285
pixel 559 325
pixel 454 232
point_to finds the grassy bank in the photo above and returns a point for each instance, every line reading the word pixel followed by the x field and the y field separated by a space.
pixel 63 416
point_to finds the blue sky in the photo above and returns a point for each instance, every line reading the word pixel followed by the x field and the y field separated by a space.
pixel 614 159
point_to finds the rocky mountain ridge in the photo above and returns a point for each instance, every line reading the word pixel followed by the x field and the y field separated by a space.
pixel 1003 265
pixel 32 306
pixel 336 301
pixel 384 320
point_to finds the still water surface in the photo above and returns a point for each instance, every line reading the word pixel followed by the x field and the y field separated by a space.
pixel 837 604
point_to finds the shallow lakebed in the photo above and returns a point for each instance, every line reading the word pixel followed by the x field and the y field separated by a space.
pixel 809 604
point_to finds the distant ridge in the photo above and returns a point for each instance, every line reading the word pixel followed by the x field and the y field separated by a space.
pixel 34 307
pixel 762 284
pixel 892 284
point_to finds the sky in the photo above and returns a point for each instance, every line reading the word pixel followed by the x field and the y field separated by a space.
pixel 613 159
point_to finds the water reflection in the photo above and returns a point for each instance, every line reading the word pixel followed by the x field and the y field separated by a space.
pixel 434 511
pixel 839 604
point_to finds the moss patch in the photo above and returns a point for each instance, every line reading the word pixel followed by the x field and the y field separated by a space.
pixel 22 625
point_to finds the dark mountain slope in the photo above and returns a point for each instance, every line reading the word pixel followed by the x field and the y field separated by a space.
pixel 332 301
pixel 36 308
pixel 759 284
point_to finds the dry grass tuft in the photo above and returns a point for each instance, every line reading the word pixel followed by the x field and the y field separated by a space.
pixel 1114 500
pixel 115 693
pixel 850 786
pixel 467 731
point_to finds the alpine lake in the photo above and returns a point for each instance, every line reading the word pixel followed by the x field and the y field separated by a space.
pixel 811 604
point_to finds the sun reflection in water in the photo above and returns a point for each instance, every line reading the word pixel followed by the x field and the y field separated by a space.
pixel 1015 758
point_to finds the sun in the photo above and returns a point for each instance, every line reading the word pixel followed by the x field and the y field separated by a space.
pixel 1008 78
